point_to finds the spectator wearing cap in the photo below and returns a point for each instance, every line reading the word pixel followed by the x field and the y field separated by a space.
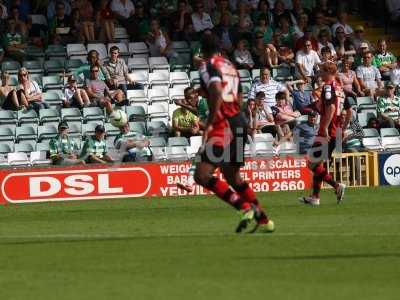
pixel 63 149
pixel 116 73
pixel 389 105
pixel 307 61
pixel 359 58
pixel 305 133
pixel 342 22
pixel 301 97
pixel 269 86
pixel 359 38
pixel 74 96
pixel 308 36
pixel 384 60
pixel 131 146
pixel 369 76
pixel 94 149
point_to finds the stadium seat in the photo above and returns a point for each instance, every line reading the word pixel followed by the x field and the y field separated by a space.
pixel 244 75
pixel 140 76
pixel 26 132
pixel 54 67
pixel 46 132
pixel 158 63
pixel 75 130
pixel 158 148
pixel 178 141
pixel 363 117
pixel 139 49
pixel 137 127
pixel 195 144
pixel 282 74
pixel 55 51
pixel 71 114
pixel 371 132
pixel 39 158
pixel 27 117
pixel 6 147
pixel 25 146
pixel 7 133
pixel 179 78
pixel 52 82
pixel 157 128
pixel 93 114
pixel 264 148
pixel 89 129
pixel 8 117
pixel 49 115
pixel 158 95
pixel 158 112
pixel 246 86
pixel 159 77
pixel 288 148
pixel 120 33
pixel 43 146
pixel 364 103
pixel 111 130
pixel 100 48
pixel 138 63
pixel 76 50
pixel 391 143
pixel 389 132
pixel 136 113
pixel 38 19
pixel 181 61
pixel 176 93
pixel 263 137
pixel 13 80
pixel 195 77
pixel 177 153
pixel 137 96
pixel 72 64
pixel 34 66
pixel 372 143
pixel 18 159
pixel 35 52
pixel 11 67
pixel 255 74
pixel 53 97
pixel 180 46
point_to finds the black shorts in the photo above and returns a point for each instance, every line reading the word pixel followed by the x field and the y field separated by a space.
pixel 233 154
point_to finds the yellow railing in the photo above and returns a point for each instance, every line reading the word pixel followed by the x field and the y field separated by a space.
pixel 357 169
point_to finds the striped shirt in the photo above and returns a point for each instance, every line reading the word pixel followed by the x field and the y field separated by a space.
pixel 62 146
pixel 388 103
pixel 270 89
pixel 95 147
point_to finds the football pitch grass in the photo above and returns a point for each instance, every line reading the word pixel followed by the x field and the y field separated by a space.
pixel 185 248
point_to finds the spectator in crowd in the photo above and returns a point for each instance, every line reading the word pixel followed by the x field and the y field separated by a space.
pixel 308 36
pixel 284 111
pixel 225 33
pixel 369 76
pixel 158 40
pixel 52 8
pixel 263 10
pixel 200 19
pixel 14 42
pixel 24 8
pixel 349 80
pixel 307 61
pixel 283 54
pixel 195 105
pixel 99 92
pixel 304 133
pixel 321 25
pixel 258 51
pixel 359 58
pixel 63 149
pixel 8 95
pixel 86 13
pixel 342 22
pixel 124 11
pixel 287 33
pixel 181 22
pixel 359 38
pixel 250 115
pixel 395 73
pixel 264 117
pixel 301 97
pixel 385 61
pixel 269 86
pixel 343 44
pixel 60 26
pixel 116 73
pixel 243 16
pixel 387 104
pixel 324 42
pixel 29 91
pixel 74 96
pixel 20 24
pixel 94 149
pixel 76 25
pixel 140 25
pixel 185 123
pixel 374 123
pixel 92 60
pixel 327 10
pixel 105 21
pixel 326 57
pixel 242 56
pixel 131 146
pixel 280 12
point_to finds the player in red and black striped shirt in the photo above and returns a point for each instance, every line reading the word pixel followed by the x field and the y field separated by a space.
pixel 224 138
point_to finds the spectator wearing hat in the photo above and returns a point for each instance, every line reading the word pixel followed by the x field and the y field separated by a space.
pixel 385 61
pixel 94 149
pixel 359 60
pixel 342 22
pixel 369 76
pixel 305 133
pixel 359 38
pixel 74 96
pixel 63 149
pixel 388 105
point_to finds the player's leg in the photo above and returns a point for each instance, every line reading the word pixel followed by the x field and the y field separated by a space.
pixel 189 184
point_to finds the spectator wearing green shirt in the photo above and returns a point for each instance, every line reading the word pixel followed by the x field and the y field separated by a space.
pixel 196 105
pixel 385 61
pixel 185 123
pixel 14 42
pixel 95 148
pixel 92 60
pixel 63 149
pixel 389 107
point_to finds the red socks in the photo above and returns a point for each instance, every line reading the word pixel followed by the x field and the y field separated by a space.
pixel 321 174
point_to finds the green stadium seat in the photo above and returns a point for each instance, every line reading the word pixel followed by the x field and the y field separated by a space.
pixel 244 75
pixel 157 128
pixel 27 117
pixel 26 132
pixel 387 132
pixel 7 133
pixel 53 97
pixel 255 74
pixel 72 64
pixel 93 114
pixel 54 67
pixel 11 67
pixel 371 132
pixel 195 77
pixel 157 142
pixel 34 66
pixel 52 82
pixel 8 117
pixel 365 103
pixel 55 51
pixel 71 114
pixel 46 132
pixel 137 127
pixel 6 147
pixel 49 115
pixel 136 113
pixel 177 141
pixel 43 146
pixel 25 146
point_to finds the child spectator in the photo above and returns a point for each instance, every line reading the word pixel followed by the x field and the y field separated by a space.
pixel 74 96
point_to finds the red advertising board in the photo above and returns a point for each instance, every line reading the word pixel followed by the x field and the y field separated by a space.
pixel 138 180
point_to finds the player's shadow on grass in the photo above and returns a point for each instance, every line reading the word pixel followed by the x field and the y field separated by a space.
pixel 322 257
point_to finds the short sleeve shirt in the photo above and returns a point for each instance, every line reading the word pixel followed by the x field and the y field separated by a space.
pixel 62 145
pixel 384 59
pixel 184 118
pixel 369 75
pixel 95 147
pixel 309 61
pixel 97 86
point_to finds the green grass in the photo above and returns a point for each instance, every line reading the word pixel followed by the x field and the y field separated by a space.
pixel 185 248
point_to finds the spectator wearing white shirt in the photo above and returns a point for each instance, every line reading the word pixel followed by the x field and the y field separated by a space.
pixel 369 76
pixel 243 58
pixel 395 73
pixel 342 22
pixel 201 20
pixel 269 86
pixel 123 10
pixel 306 61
